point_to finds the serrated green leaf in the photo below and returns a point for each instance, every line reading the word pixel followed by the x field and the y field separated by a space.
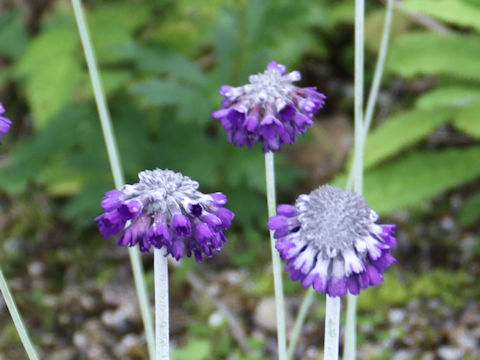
pixel 31 157
pixel 157 92
pixel 165 62
pixel 425 53
pixel 419 176
pixel 112 80
pixel 113 25
pixel 401 131
pixel 458 96
pixel 51 72
pixel 468 120
pixel 248 169
pixel 456 12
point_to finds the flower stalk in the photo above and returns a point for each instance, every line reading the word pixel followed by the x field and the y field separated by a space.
pixel 161 305
pixel 332 327
pixel 276 263
pixel 116 168
pixel 17 319
pixel 362 126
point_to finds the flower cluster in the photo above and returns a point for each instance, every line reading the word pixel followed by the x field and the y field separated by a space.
pixel 166 210
pixel 4 122
pixel 330 241
pixel 270 109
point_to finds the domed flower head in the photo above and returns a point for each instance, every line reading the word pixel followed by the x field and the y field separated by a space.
pixel 166 210
pixel 4 122
pixel 330 240
pixel 270 109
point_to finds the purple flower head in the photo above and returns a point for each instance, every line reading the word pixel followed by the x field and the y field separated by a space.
pixel 4 122
pixel 165 209
pixel 330 241
pixel 270 109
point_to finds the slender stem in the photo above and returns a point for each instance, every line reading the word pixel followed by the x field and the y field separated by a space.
pixel 276 263
pixel 350 330
pixel 297 328
pixel 358 88
pixel 350 327
pixel 17 319
pixel 161 304
pixel 377 77
pixel 115 165
pixel 332 328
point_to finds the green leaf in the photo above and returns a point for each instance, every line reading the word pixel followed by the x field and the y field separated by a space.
pixel 13 34
pixel 458 96
pixel 165 62
pixel 112 80
pixel 194 349
pixel 401 131
pixel 470 211
pixel 157 92
pixel 468 120
pixel 374 22
pixel 113 25
pixel 419 176
pixel 456 12
pixel 51 73
pixel 32 157
pixel 425 53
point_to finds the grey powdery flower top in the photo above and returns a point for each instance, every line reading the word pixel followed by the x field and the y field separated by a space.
pixel 270 109
pixel 166 210
pixel 330 240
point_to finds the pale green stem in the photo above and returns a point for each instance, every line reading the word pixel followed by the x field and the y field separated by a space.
pixel 350 326
pixel 161 304
pixel 115 165
pixel 17 319
pixel 361 133
pixel 297 328
pixel 377 77
pixel 332 327
pixel 276 263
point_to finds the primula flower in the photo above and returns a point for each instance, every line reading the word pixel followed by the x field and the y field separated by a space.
pixel 270 109
pixel 4 122
pixel 330 240
pixel 166 210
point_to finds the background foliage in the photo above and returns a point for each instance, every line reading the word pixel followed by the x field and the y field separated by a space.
pixel 162 63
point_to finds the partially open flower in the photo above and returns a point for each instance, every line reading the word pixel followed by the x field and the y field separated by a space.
pixel 330 240
pixel 166 210
pixel 270 109
pixel 4 122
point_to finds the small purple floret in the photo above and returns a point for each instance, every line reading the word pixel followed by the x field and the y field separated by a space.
pixel 270 109
pixel 166 210
pixel 5 123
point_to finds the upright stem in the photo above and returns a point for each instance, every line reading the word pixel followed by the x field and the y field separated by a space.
pixel 115 165
pixel 276 263
pixel 350 328
pixel 377 77
pixel 161 305
pixel 17 319
pixel 361 133
pixel 332 328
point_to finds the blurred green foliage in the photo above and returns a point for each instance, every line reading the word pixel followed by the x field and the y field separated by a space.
pixel 163 66
pixel 162 63
pixel 399 172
